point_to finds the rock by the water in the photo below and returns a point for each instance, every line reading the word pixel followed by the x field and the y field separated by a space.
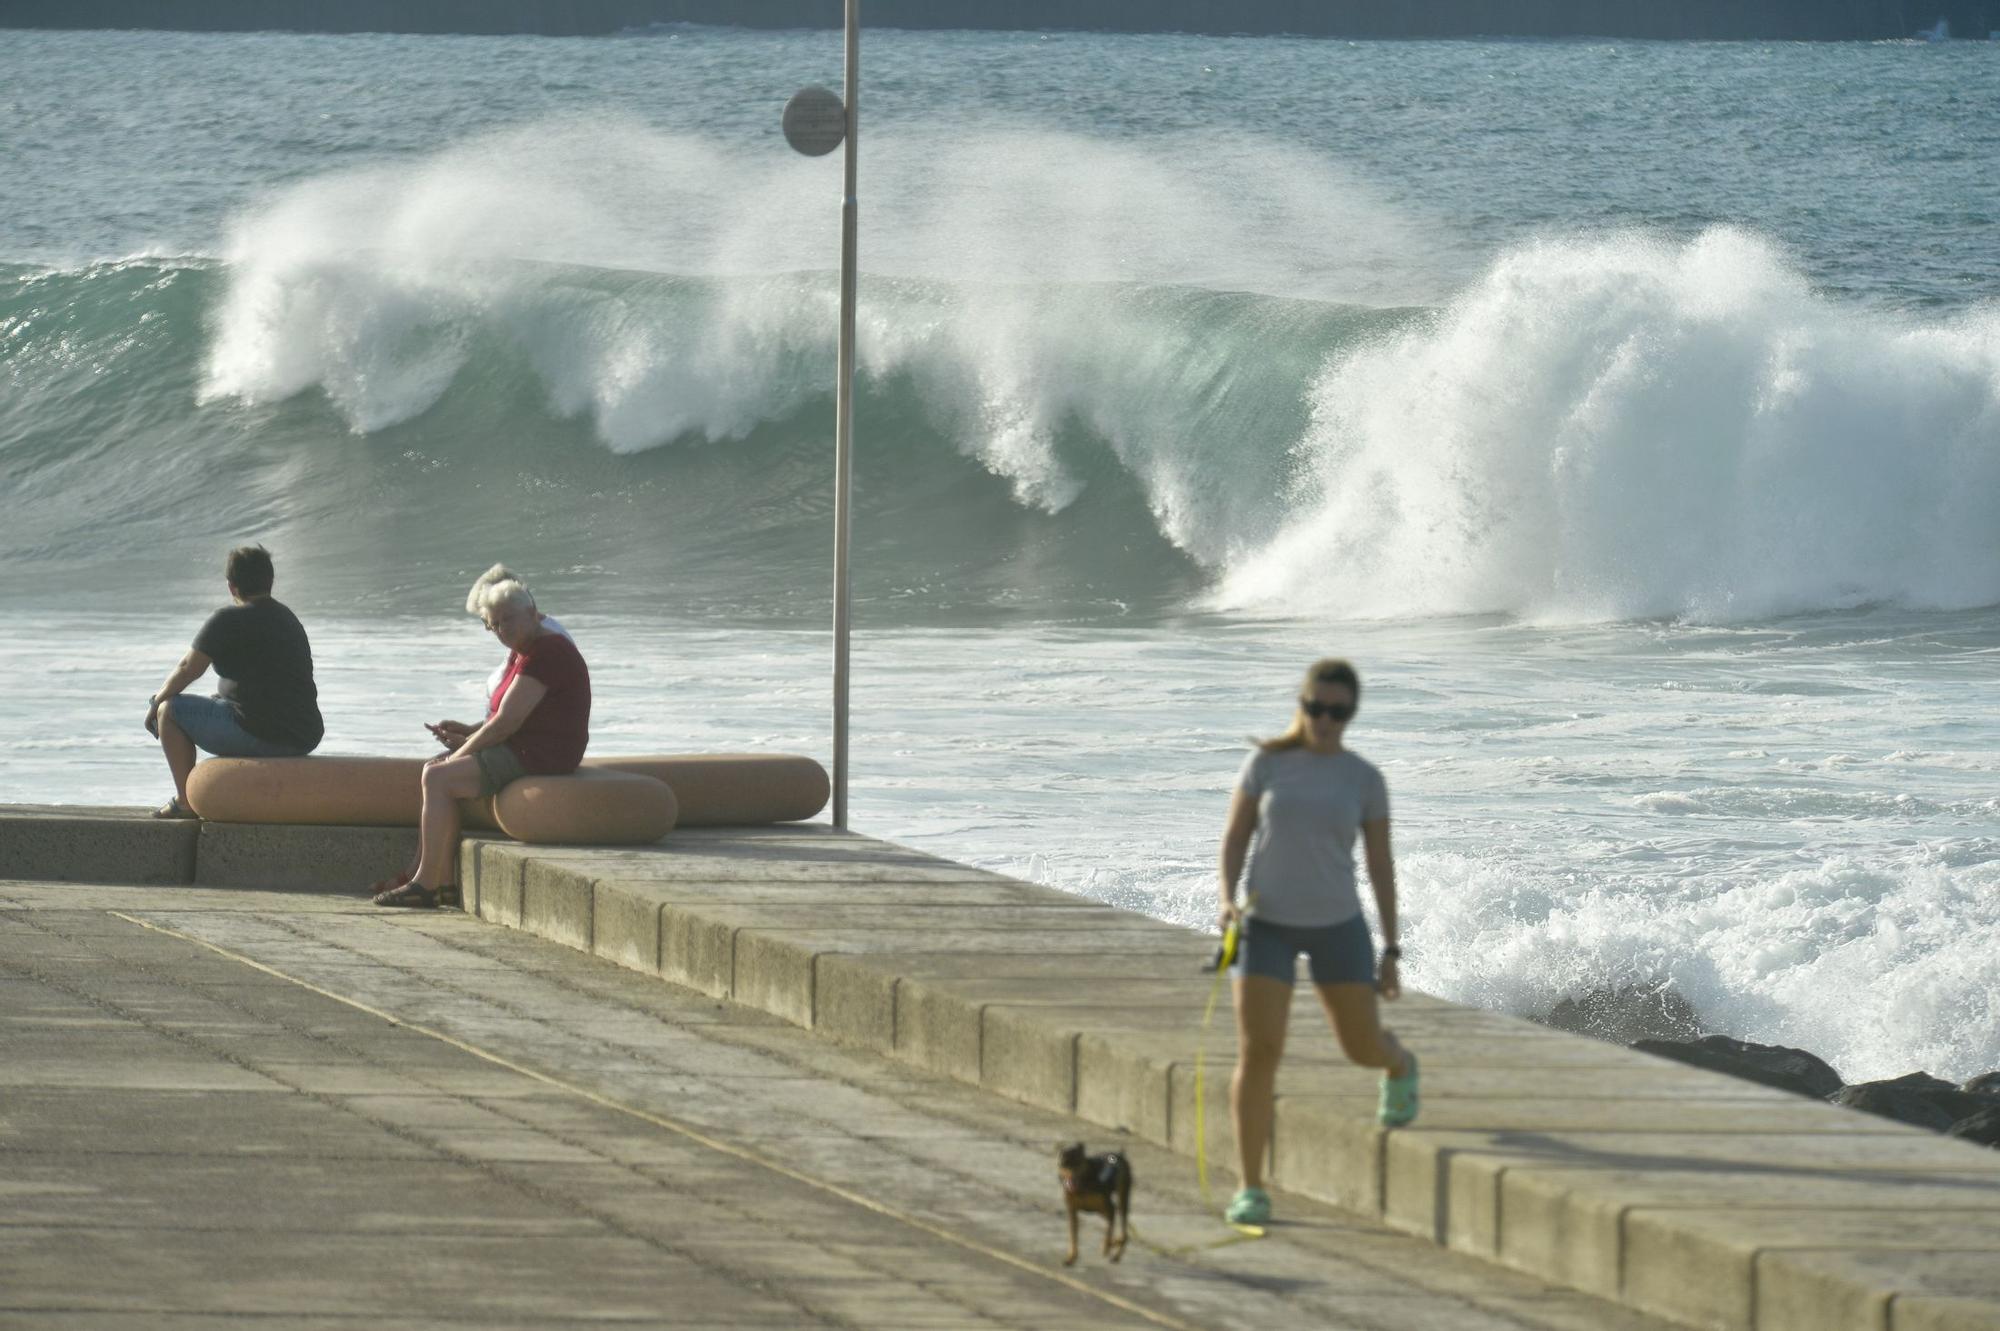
pixel 1986 1083
pixel 1793 1070
pixel 1626 1014
pixel 1953 1102
pixel 1892 1099
pixel 1982 1128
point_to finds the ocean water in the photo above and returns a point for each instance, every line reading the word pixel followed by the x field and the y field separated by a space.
pixel 1630 413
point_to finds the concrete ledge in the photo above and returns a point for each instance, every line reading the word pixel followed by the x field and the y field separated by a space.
pixel 558 901
pixel 312 859
pixel 1709 1201
pixel 625 925
pixel 493 875
pixel 60 844
pixel 90 845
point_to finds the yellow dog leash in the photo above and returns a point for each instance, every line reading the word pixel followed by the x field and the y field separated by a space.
pixel 1225 957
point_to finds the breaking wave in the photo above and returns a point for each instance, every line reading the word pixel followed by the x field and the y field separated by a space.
pixel 621 361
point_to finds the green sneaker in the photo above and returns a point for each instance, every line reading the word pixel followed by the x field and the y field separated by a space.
pixel 1398 1105
pixel 1250 1206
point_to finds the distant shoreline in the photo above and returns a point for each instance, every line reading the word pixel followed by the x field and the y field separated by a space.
pixel 1687 20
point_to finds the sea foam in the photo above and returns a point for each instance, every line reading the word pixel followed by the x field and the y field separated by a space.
pixel 1625 427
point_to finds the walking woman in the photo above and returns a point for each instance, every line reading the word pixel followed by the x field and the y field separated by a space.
pixel 1298 803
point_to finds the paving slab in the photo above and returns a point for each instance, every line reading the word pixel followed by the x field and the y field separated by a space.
pixel 82 1118
pixel 725 860
pixel 889 893
pixel 1635 1113
pixel 226 1193
pixel 1727 1246
pixel 1880 1287
pixel 1542 1220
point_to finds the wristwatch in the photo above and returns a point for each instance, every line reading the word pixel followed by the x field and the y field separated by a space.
pixel 1392 953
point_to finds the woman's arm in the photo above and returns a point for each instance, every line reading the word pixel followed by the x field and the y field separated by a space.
pixel 191 668
pixel 1382 877
pixel 523 696
pixel 1236 835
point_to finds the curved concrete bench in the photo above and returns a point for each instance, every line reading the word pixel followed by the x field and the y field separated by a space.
pixel 703 790
pixel 333 791
pixel 734 789
pixel 589 807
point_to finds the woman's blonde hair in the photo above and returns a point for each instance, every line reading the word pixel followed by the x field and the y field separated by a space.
pixel 477 596
pixel 1326 670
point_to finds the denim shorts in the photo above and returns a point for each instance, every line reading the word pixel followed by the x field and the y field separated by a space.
pixel 498 766
pixel 1337 953
pixel 216 727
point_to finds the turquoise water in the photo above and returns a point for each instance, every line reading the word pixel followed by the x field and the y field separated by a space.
pixel 1631 413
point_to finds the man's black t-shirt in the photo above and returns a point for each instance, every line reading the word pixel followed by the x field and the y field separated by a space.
pixel 265 664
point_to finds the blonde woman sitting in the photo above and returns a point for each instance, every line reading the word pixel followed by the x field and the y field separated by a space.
pixel 537 722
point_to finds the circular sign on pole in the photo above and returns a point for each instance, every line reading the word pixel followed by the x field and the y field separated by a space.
pixel 815 121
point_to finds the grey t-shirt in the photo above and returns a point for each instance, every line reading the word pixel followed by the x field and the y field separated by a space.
pixel 1309 806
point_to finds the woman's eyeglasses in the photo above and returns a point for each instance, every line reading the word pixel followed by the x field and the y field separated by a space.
pixel 1335 711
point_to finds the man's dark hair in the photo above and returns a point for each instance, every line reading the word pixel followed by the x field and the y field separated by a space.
pixel 249 570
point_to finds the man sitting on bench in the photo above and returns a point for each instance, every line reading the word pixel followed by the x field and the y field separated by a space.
pixel 266 704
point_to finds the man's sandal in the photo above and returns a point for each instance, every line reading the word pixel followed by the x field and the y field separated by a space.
pixel 174 809
pixel 416 896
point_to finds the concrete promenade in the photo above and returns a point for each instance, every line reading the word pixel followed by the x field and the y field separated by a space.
pixel 243 1108
pixel 1675 1192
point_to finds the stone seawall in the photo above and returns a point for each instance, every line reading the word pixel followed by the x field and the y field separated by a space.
pixel 1697 20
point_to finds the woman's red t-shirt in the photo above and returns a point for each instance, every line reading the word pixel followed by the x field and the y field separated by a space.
pixel 556 733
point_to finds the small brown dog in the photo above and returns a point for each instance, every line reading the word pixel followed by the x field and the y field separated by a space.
pixel 1102 1185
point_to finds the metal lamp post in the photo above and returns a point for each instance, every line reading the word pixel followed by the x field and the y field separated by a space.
pixel 816 122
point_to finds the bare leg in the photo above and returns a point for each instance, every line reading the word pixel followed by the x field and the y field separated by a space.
pixel 178 748
pixel 1263 1006
pixel 1356 1019
pixel 445 783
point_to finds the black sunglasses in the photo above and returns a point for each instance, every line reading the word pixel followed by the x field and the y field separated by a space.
pixel 1338 711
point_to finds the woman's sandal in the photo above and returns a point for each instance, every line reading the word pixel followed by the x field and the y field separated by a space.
pixel 390 884
pixel 174 809
pixel 418 897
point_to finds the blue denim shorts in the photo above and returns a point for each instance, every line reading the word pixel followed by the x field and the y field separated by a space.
pixel 216 727
pixel 1337 953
